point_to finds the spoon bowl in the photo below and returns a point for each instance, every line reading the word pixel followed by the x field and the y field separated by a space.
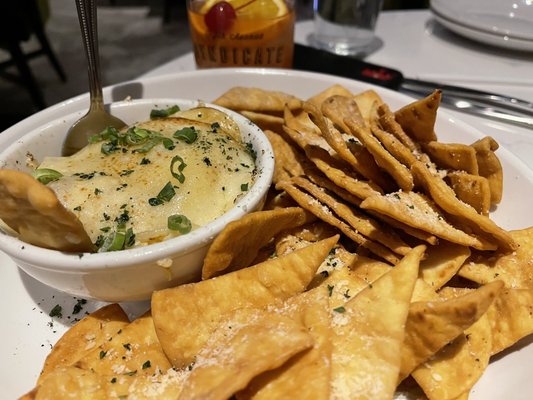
pixel 97 118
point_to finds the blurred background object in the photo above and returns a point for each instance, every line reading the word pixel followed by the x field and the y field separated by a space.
pixel 135 36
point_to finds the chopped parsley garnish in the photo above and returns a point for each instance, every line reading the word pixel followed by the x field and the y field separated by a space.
pixel 330 290
pixel 180 223
pixel 145 161
pixel 57 311
pixel 78 208
pixel 163 113
pixel 97 191
pixel 340 309
pixel 207 161
pixel 244 187
pixel 79 306
pixel 147 364
pixel 127 346
pixel 131 373
pixel 126 172
pixel 46 175
pixel 188 134
pixel 113 380
pixel 102 354
pixel 251 151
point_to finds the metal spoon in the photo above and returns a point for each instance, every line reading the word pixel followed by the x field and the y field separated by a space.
pixel 97 118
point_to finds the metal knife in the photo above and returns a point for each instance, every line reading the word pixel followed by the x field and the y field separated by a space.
pixel 489 105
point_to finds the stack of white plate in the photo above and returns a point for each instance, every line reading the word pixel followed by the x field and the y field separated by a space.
pixel 502 23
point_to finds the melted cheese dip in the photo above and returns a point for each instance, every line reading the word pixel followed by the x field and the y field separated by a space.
pixel 207 177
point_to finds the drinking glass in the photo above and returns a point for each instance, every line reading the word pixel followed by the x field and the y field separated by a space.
pixel 249 33
pixel 346 27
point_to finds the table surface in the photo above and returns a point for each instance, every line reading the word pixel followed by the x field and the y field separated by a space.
pixel 426 50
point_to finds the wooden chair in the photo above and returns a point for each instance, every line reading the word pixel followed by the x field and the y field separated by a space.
pixel 19 20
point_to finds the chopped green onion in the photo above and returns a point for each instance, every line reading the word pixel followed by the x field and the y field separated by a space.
pixel 188 135
pixel 167 193
pixel 179 174
pixel 179 223
pixel 156 113
pixel 46 175
pixel 121 239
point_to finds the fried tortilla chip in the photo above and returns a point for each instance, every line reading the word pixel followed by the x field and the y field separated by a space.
pixel 264 121
pixel 471 189
pixel 458 366
pixel 365 101
pixel 361 159
pixel 307 375
pixel 184 329
pixel 368 332
pixel 514 269
pixel 71 382
pixel 490 166
pixel 288 160
pixel 431 325
pixel 445 197
pixel 389 123
pixel 510 317
pixel 339 175
pixel 418 118
pixel 361 222
pixel 338 107
pixel 87 334
pixel 390 142
pixel 258 100
pixel 399 172
pixel 135 350
pixel 36 214
pixel 454 156
pixel 324 213
pixel 248 343
pixel 240 241
pixel 334 90
pixel 442 263
pixel 418 211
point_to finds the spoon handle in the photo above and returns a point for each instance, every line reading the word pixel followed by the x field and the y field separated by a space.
pixel 88 25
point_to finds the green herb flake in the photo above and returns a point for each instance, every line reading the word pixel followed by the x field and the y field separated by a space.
pixel 79 306
pixel 127 346
pixel 102 354
pixel 57 311
pixel 244 187
pixel 113 380
pixel 147 364
pixel 330 290
pixel 145 161
pixel 340 309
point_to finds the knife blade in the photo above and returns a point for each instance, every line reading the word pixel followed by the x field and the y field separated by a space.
pixel 495 106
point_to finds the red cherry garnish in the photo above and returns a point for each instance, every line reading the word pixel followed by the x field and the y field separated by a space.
pixel 220 17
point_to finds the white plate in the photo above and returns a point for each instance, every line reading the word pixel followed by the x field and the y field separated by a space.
pixel 25 303
pixel 502 23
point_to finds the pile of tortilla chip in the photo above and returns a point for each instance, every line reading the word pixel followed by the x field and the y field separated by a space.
pixel 374 270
